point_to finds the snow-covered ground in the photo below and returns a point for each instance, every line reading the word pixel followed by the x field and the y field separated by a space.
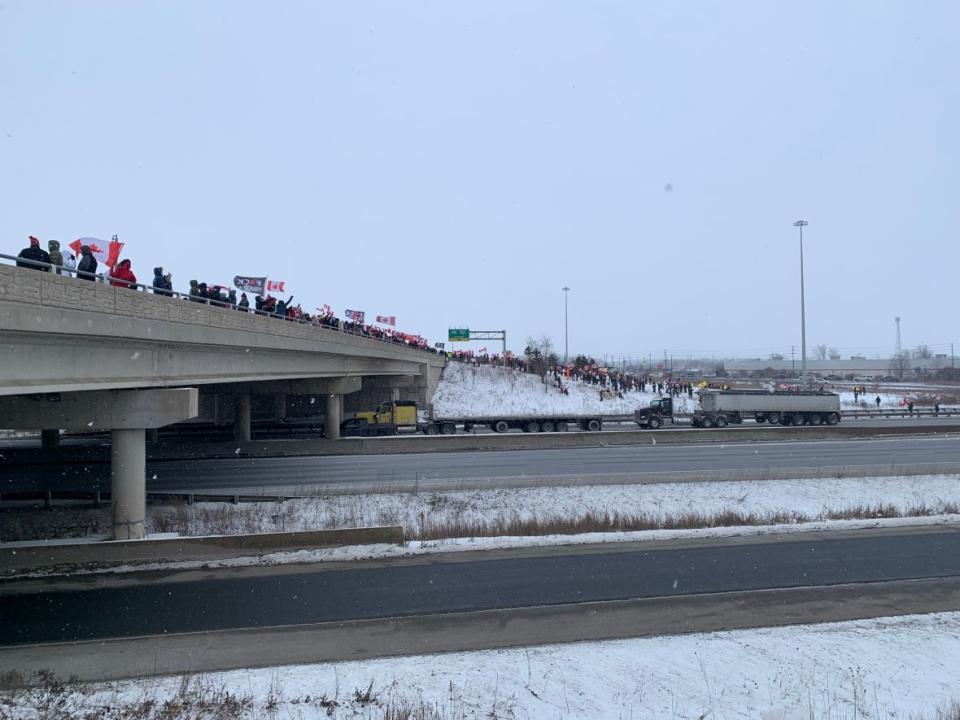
pixel 811 499
pixel 882 669
pixel 468 391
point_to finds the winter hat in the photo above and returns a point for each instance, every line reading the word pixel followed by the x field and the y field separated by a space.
pixel 34 241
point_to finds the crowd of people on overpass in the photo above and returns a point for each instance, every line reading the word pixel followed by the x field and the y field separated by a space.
pixel 583 370
pixel 64 262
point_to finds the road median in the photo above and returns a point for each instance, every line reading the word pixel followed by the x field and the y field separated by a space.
pixel 17 559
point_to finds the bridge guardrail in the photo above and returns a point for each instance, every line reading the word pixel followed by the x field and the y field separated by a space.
pixel 104 279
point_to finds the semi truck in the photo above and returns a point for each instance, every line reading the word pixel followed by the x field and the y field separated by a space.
pixel 719 408
pixel 399 415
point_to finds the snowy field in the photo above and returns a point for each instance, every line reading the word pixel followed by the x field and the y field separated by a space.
pixel 882 669
pixel 809 499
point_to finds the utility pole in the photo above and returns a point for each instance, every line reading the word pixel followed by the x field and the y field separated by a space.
pixel 793 360
pixel 566 325
pixel 803 315
pixel 899 346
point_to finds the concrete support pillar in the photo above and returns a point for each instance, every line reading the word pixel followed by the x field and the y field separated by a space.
pixel 241 421
pixel 331 425
pixel 153 435
pixel 128 486
pixel 394 394
pixel 280 401
pixel 49 439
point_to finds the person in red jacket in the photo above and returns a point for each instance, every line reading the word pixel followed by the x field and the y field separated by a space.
pixel 122 275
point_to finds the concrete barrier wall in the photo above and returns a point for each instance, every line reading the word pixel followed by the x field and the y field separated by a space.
pixel 24 558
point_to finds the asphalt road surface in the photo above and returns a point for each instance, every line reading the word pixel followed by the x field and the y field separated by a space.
pixel 371 471
pixel 284 596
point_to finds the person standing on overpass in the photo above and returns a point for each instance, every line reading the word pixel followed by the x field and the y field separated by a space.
pixel 33 252
pixel 878 402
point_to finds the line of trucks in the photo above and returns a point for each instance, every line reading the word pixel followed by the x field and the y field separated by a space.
pixel 717 409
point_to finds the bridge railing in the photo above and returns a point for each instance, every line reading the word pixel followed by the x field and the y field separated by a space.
pixel 105 279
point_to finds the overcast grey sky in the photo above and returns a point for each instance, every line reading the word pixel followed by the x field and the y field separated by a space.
pixel 456 164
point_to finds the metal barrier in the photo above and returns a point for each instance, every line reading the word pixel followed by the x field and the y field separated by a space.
pixel 901 412
pixel 104 279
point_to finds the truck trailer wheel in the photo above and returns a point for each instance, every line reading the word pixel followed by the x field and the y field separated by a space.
pixel 759 417
pixel 720 421
pixel 833 419
pixel 796 419
pixel 448 428
pixel 500 426
pixel 654 423
pixel 532 427
pixel 562 426
pixel 431 429
pixel 706 422
pixel 815 418
pixel 594 425
pixel 773 418
pixel 547 426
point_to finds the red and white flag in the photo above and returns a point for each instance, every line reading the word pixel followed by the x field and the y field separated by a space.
pixel 387 319
pixel 106 253
pixel 276 286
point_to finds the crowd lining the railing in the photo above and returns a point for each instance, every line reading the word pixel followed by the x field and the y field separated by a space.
pixel 122 276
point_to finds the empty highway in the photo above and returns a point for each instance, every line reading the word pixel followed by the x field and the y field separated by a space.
pixel 297 595
pixel 294 474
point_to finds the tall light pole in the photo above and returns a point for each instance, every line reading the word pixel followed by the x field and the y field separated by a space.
pixel 566 331
pixel 803 315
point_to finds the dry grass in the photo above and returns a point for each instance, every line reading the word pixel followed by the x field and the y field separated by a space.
pixel 195 697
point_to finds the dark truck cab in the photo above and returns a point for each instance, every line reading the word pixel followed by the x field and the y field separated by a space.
pixel 652 417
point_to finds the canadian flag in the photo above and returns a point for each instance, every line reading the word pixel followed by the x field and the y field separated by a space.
pixel 276 286
pixel 106 253
pixel 387 319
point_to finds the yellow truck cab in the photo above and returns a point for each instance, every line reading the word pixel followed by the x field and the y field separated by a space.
pixel 402 413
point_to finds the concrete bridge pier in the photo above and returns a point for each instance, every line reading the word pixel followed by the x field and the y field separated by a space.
pixel 242 418
pixel 127 414
pixel 128 487
pixel 280 405
pixel 331 425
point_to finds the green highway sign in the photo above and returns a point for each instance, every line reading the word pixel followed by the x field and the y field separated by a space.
pixel 458 335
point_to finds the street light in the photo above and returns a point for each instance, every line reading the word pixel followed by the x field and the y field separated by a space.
pixel 803 317
pixel 566 331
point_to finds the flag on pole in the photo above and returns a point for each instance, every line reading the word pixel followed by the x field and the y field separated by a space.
pixel 255 285
pixel 387 319
pixel 276 286
pixel 106 253
pixel 355 315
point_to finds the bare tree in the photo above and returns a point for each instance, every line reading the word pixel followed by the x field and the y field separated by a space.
pixel 820 352
pixel 834 354
pixel 922 352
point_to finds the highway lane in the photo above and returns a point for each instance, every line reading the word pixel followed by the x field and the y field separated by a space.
pixel 372 471
pixel 275 597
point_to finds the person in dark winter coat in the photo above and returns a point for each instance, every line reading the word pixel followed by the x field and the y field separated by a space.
pixel 56 257
pixel 35 253
pixel 160 283
pixel 232 297
pixel 122 276
pixel 244 304
pixel 194 291
pixel 87 267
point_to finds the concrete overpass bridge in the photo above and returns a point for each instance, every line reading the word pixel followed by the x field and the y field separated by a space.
pixel 83 355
